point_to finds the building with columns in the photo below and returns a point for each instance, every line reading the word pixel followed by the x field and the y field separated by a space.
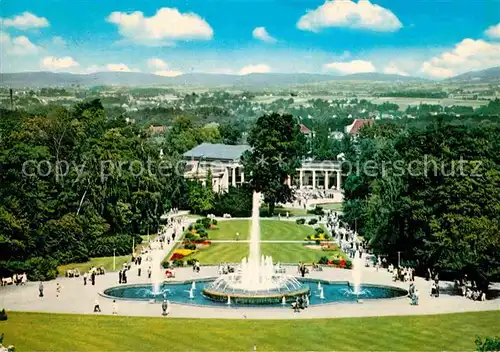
pixel 224 162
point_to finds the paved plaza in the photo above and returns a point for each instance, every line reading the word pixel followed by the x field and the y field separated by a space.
pixel 77 298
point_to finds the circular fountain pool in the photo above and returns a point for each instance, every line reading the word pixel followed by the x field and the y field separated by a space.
pixel 319 292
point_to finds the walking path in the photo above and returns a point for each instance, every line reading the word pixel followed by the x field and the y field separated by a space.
pixel 77 298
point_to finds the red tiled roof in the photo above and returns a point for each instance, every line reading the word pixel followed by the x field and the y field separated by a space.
pixel 358 124
pixel 304 129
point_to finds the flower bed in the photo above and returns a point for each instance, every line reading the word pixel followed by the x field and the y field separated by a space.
pixel 317 237
pixel 181 253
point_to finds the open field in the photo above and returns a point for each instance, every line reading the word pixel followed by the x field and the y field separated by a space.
pixel 61 332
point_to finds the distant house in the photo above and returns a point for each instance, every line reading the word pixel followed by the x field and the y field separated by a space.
pixel 157 129
pixel 353 129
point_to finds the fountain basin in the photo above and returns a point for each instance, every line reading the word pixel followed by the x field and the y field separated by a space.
pixel 178 292
pixel 256 297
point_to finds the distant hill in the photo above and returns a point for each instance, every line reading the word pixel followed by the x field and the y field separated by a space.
pixel 51 79
pixel 489 75
pixel 380 77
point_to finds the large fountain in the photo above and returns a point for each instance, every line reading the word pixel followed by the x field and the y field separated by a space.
pixel 256 280
pixel 254 283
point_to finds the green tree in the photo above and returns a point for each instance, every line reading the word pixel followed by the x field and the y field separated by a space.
pixel 277 150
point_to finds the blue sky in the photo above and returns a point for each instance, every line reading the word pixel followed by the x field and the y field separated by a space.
pixel 423 38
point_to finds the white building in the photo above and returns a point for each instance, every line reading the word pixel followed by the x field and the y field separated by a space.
pixel 223 161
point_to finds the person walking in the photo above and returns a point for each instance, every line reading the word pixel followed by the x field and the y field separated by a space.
pixel 85 279
pixel 237 236
pixel 115 307
pixel 97 307
pixel 164 307
pixel 92 278
pixel 149 273
pixel 40 289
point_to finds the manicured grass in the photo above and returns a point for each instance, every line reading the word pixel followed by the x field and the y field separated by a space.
pixel 60 332
pixel 221 253
pixel 295 252
pixel 106 262
pixel 270 230
pixel 264 211
pixel 226 230
pixel 283 230
pixel 332 206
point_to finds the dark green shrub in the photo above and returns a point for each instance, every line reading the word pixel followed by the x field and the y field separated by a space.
pixel 348 264
pixel 313 222
pixel 3 315
pixel 188 236
pixel 214 222
pixel 41 269
pixel 489 344
pixel 300 221
pixel 319 230
pixel 191 261
pixel 165 264
pixel 336 261
pixel 177 263
pixel 190 246
pixel 206 222
pixel 323 260
pixel 316 211
pixel 318 242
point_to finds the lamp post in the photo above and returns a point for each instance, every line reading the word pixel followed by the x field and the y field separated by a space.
pixel 114 259
pixel 399 259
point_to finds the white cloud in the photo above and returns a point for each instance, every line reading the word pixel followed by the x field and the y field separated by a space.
pixel 346 13
pixel 27 20
pixel 156 63
pixel 260 68
pixel 161 68
pixel 19 46
pixel 392 69
pixel 58 63
pixel 166 26
pixel 58 41
pixel 260 33
pixel 118 68
pixel 468 55
pixel 493 32
pixel 355 66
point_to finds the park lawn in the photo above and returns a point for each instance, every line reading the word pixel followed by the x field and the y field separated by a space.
pixel 68 332
pixel 331 206
pixel 106 262
pixel 226 230
pixel 264 211
pixel 283 230
pixel 220 253
pixel 295 252
pixel 269 230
